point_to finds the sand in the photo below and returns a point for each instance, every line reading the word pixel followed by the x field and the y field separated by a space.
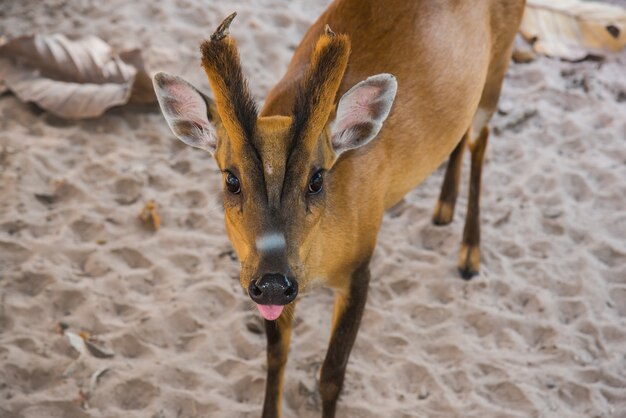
pixel 540 333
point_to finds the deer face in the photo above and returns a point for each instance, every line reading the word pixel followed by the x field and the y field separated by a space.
pixel 278 170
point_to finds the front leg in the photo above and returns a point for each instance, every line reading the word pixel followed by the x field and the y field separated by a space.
pixel 278 337
pixel 349 306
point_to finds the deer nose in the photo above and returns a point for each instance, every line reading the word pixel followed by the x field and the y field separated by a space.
pixel 273 289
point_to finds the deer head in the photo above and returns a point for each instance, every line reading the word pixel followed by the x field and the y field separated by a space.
pixel 277 170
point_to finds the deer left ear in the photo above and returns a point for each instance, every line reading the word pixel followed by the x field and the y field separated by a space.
pixel 187 111
pixel 361 112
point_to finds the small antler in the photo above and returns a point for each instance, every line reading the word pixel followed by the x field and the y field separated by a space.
pixel 316 93
pixel 222 30
pixel 233 100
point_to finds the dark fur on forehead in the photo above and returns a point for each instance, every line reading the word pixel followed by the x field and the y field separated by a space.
pixel 317 91
pixel 221 62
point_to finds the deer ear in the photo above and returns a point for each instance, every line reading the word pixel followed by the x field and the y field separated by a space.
pixel 186 111
pixel 361 112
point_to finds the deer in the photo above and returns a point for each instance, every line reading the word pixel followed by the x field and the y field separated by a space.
pixel 376 96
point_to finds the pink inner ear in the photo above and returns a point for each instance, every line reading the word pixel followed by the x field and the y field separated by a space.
pixel 355 107
pixel 186 104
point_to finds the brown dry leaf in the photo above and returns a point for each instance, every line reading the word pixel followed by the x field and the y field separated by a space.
pixel 82 400
pixel 150 216
pixel 574 29
pixel 72 78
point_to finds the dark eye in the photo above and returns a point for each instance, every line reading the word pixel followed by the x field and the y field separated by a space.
pixel 316 182
pixel 232 183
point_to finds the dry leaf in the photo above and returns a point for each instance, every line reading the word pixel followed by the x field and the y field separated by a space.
pixel 72 78
pixel 150 216
pixel 574 29
pixel 97 350
pixel 82 400
pixel 76 341
pixel 95 378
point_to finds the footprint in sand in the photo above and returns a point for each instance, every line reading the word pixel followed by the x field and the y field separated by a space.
pixel 189 263
pixel 52 410
pixel 179 378
pixel 608 255
pixel 31 283
pixel 88 230
pixel 570 310
pixel 129 346
pixel 67 301
pixel 133 258
pixel 249 389
pixel 134 394
pixel 127 191
pixel 576 187
pixel 507 395
pixel 12 254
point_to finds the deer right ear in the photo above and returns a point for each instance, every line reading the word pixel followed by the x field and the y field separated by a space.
pixel 361 112
pixel 186 111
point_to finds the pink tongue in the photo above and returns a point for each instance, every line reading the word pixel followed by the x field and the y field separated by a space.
pixel 270 312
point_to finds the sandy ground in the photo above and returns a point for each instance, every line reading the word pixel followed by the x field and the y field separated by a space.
pixel 541 332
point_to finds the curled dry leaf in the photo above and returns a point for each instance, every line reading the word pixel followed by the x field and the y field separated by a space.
pixel 150 216
pixel 95 378
pixel 97 350
pixel 574 29
pixel 82 400
pixel 73 78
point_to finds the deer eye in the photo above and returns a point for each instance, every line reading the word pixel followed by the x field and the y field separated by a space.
pixel 232 183
pixel 316 182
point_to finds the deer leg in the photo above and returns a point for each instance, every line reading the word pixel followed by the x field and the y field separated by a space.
pixel 444 210
pixel 278 337
pixel 469 258
pixel 349 308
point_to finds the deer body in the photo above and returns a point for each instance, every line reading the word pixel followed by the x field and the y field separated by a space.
pixel 306 182
pixel 401 39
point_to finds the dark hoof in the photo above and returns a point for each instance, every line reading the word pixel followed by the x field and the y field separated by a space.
pixel 440 222
pixel 467 273
pixel 444 212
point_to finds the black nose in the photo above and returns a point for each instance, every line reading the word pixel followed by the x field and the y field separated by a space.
pixel 273 289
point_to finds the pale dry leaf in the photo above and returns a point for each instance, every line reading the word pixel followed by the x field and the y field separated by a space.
pixel 95 378
pixel 76 341
pixel 73 79
pixel 574 29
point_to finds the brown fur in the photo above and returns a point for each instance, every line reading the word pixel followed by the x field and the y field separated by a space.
pixel 316 94
pixel 235 105
pixel 444 211
pixel 449 58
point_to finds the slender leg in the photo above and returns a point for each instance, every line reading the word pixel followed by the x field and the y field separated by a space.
pixel 349 308
pixel 444 211
pixel 469 258
pixel 278 337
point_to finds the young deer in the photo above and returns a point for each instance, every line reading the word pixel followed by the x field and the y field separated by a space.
pixel 306 184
